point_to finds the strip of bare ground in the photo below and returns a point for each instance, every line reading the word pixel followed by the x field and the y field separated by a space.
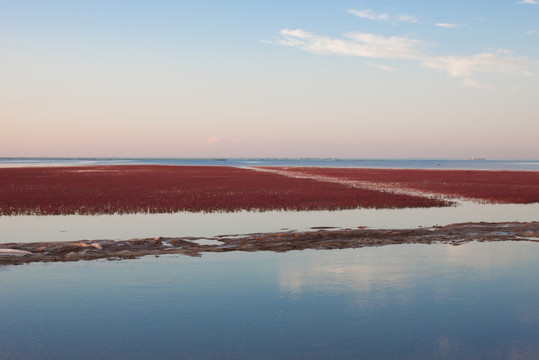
pixel 453 234
pixel 386 187
pixel 484 186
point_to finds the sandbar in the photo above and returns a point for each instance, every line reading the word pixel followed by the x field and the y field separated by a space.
pixel 318 239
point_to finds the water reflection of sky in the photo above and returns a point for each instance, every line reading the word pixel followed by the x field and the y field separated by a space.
pixel 73 227
pixel 502 164
pixel 461 300
pixel 391 266
pixel 474 301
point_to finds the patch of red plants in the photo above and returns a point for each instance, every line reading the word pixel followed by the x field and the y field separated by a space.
pixel 517 187
pixel 162 189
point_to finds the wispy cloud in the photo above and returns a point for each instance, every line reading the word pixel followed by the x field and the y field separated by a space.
pixel 298 33
pixel 210 141
pixel 382 67
pixel 531 32
pixel 293 37
pixel 213 140
pixel 394 47
pixel 533 2
pixel 354 44
pixel 447 25
pixel 372 15
pixel 369 14
pixel 467 82
pixel 407 18
pixel 499 61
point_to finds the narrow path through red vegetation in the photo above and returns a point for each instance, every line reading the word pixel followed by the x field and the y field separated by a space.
pixel 518 187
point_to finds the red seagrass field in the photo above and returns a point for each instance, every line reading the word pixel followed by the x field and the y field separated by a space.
pixel 510 187
pixel 164 189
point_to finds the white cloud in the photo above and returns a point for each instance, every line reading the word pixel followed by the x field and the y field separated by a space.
pixel 447 25
pixel 296 33
pixel 369 14
pixel 293 37
pixel 372 15
pixel 381 67
pixel 287 41
pixel 386 47
pixel 500 61
pixel 533 2
pixel 213 140
pixel 394 47
pixel 407 18
pixel 355 44
pixel 467 82
pixel 531 32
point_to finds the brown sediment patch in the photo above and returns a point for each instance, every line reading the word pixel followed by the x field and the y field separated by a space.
pixel 454 234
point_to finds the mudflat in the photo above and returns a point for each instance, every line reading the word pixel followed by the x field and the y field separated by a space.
pixel 322 239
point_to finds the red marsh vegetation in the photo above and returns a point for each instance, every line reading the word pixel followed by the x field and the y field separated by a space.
pixel 517 187
pixel 162 189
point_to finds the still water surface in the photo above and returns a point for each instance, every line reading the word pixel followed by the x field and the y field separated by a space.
pixel 475 301
pixel 124 227
pixel 489 164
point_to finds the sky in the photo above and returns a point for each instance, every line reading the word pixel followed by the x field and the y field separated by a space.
pixel 305 78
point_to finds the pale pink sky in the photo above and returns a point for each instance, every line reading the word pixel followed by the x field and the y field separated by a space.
pixel 187 80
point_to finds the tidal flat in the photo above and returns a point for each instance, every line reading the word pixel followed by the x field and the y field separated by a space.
pixel 318 239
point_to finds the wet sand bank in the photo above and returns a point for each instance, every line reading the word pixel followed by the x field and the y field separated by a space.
pixel 320 239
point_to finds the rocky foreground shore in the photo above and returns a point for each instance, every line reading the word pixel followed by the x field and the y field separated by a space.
pixel 320 239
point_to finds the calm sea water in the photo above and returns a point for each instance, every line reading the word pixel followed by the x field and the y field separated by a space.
pixel 475 301
pixel 122 227
pixel 511 164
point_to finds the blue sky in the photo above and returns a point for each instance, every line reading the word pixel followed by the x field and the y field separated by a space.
pixel 363 79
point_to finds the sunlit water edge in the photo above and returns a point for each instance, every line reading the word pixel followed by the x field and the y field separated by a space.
pixel 122 227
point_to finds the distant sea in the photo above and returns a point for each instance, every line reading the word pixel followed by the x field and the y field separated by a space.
pixel 471 164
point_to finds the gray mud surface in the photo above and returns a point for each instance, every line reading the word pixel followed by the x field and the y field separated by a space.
pixel 321 239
